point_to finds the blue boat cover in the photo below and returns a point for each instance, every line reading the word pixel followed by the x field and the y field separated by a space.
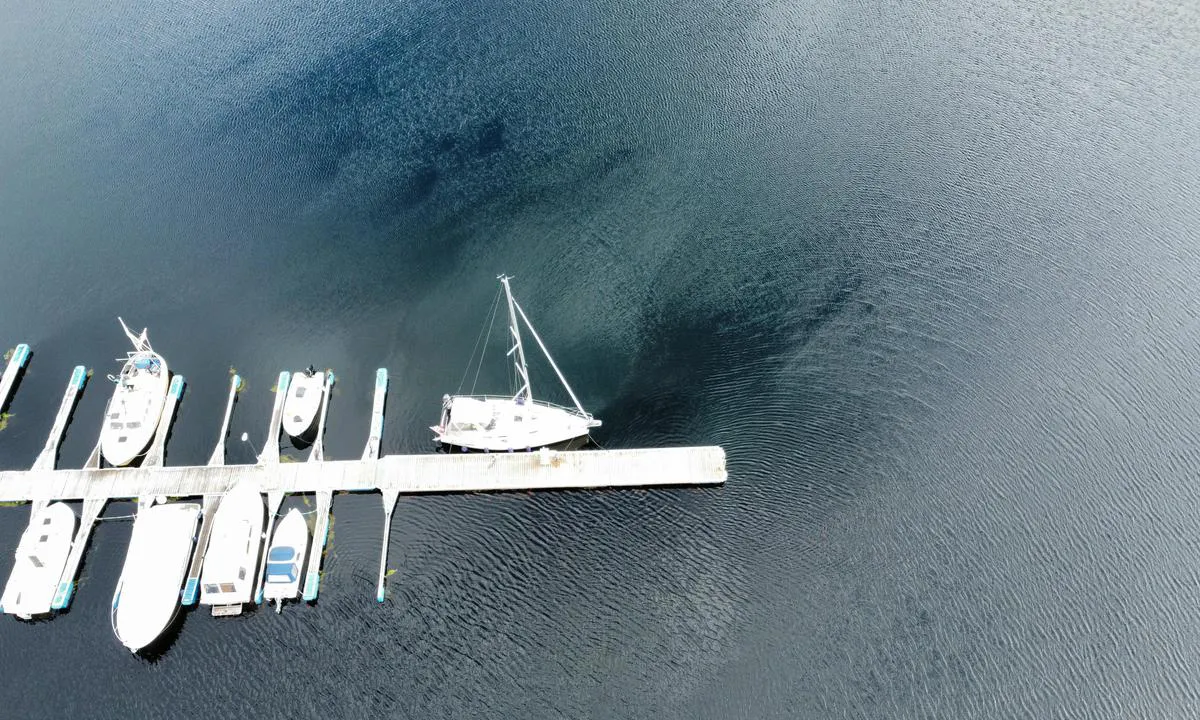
pixel 281 554
pixel 277 572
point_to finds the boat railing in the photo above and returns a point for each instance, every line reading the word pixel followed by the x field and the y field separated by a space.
pixel 571 410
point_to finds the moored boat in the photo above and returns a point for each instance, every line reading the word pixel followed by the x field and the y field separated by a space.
pixel 303 402
pixel 41 556
pixel 491 423
pixel 147 594
pixel 285 559
pixel 231 558
pixel 137 402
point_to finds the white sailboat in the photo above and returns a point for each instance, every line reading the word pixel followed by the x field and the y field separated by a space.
pixel 147 594
pixel 137 402
pixel 231 559
pixel 41 556
pixel 303 401
pixel 285 559
pixel 517 422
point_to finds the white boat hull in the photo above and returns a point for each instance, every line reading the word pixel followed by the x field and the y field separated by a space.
pixel 41 557
pixel 285 558
pixel 147 594
pixel 503 425
pixel 134 409
pixel 303 402
pixel 231 558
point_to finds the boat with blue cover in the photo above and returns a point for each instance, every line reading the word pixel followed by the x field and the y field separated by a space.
pixel 285 559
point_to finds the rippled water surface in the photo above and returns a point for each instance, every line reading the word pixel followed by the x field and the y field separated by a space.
pixel 925 270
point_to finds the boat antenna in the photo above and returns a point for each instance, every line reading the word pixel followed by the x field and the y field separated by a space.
pixel 546 352
pixel 522 370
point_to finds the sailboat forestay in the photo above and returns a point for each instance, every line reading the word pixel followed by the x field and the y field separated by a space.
pixel 491 423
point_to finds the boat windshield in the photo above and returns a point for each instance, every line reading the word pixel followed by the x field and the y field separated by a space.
pixel 281 572
pixel 281 554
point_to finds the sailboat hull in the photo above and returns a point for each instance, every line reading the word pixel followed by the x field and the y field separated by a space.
pixel 490 424
pixel 576 443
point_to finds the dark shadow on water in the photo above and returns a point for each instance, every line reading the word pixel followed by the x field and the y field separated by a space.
pixel 491 138
pixel 416 188
pixel 156 650
pixel 305 441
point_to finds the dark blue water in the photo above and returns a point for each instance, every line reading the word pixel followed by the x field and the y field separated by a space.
pixel 926 270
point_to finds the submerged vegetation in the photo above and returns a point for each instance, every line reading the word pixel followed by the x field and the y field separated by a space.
pixel 241 380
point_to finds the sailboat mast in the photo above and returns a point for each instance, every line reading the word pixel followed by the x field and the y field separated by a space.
pixel 553 364
pixel 518 348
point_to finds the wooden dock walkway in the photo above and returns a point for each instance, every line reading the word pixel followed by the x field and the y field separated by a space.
pixel 16 363
pixel 404 474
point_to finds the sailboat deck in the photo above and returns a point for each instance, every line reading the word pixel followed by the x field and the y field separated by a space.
pixel 405 474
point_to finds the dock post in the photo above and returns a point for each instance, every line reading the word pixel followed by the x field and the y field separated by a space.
pixel 66 584
pixel 274 500
pixel 312 580
pixel 48 458
pixel 218 455
pixel 318 450
pixel 371 452
pixel 17 361
pixel 270 453
pixel 389 504
pixel 191 588
pixel 158 447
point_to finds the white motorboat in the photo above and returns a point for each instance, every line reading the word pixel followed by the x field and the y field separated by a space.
pixel 137 402
pixel 41 556
pixel 147 594
pixel 303 402
pixel 513 422
pixel 231 559
pixel 285 559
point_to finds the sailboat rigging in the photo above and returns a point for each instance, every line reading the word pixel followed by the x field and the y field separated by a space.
pixel 519 422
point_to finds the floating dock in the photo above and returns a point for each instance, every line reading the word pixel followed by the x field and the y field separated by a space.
pixel 16 362
pixel 406 474
pixel 391 475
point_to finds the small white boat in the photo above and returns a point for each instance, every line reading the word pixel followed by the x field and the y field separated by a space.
pixel 231 559
pixel 137 402
pixel 513 422
pixel 303 401
pixel 147 594
pixel 285 559
pixel 41 556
